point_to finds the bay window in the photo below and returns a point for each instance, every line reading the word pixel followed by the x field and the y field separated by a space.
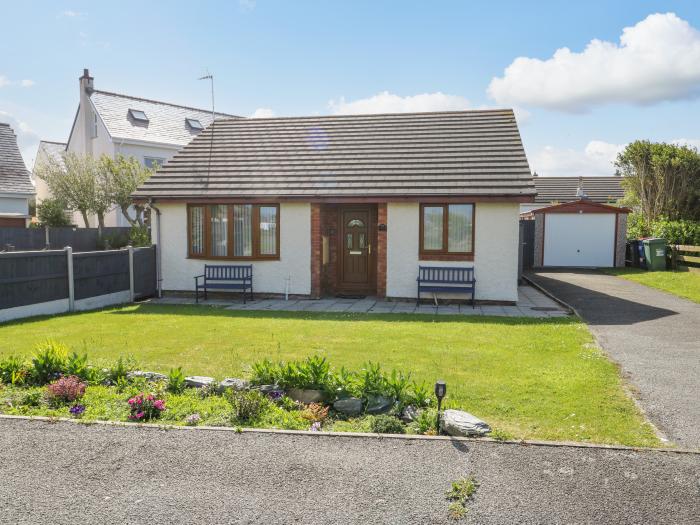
pixel 446 231
pixel 233 231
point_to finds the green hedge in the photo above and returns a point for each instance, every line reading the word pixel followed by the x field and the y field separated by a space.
pixel 675 232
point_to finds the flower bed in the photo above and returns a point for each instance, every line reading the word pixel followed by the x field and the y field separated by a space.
pixel 302 395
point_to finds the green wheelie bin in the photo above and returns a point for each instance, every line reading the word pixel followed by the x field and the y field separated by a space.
pixel 655 254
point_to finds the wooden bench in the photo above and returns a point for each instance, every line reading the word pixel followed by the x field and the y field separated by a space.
pixel 225 277
pixel 446 279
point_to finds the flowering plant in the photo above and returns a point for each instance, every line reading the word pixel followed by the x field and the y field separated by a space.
pixel 143 407
pixel 77 410
pixel 65 390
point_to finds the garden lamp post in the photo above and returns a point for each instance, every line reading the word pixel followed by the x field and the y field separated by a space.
pixel 440 390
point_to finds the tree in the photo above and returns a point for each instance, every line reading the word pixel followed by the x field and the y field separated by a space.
pixel 123 175
pixel 661 180
pixel 52 212
pixel 77 181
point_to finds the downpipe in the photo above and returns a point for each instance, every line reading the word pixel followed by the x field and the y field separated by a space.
pixel 159 274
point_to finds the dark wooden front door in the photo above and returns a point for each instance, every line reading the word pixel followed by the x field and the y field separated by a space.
pixel 356 244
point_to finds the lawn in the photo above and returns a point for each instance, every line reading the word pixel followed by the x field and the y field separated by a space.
pixel 681 283
pixel 534 379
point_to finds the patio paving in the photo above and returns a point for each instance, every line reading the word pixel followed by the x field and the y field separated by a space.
pixel 531 303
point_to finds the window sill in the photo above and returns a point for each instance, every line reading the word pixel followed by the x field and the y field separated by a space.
pixel 446 257
pixel 239 259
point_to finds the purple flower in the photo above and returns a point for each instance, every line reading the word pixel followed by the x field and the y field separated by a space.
pixel 275 394
pixel 316 426
pixel 77 410
pixel 193 419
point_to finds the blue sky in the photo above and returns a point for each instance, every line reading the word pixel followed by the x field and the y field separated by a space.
pixel 576 109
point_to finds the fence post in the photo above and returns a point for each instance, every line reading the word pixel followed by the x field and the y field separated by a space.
pixel 47 239
pixel 71 282
pixel 132 294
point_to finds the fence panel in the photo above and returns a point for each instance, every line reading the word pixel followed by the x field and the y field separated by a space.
pixel 100 273
pixel 32 277
pixel 80 239
pixel 685 257
pixel 22 239
pixel 144 272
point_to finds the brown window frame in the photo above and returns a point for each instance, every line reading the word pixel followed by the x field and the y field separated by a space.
pixel 444 254
pixel 255 256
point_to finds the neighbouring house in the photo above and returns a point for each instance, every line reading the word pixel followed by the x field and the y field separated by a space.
pixel 579 222
pixel 16 188
pixel 111 124
pixel 346 204
pixel 557 190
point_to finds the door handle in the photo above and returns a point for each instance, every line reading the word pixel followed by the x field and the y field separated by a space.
pixel 369 249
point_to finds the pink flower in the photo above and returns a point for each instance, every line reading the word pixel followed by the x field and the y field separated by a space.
pixel 139 415
pixel 159 404
pixel 131 401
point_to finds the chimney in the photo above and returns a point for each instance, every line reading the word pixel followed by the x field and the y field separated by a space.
pixel 87 87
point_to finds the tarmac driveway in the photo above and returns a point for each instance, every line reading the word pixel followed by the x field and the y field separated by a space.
pixel 70 473
pixel 653 335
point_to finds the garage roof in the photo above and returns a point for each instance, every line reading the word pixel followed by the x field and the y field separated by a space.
pixel 563 189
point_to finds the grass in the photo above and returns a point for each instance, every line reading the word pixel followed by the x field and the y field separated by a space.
pixel 681 283
pixel 529 378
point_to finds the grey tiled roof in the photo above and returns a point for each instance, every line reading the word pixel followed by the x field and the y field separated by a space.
pixel 466 153
pixel 563 189
pixel 14 176
pixel 166 121
pixel 53 150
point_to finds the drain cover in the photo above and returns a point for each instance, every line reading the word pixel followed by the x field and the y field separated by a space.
pixel 545 308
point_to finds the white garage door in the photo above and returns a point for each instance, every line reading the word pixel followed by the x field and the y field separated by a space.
pixel 579 239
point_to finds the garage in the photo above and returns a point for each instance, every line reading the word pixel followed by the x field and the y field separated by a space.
pixel 580 234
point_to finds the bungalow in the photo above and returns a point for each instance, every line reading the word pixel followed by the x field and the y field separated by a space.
pixel 346 204
pixel 16 188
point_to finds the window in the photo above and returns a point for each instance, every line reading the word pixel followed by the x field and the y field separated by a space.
pixel 194 124
pixel 153 162
pixel 446 231
pixel 138 115
pixel 234 231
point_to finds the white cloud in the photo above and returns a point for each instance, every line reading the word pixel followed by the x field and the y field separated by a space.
pixel 71 14
pixel 27 138
pixel 693 143
pixel 27 83
pixel 386 102
pixel 263 113
pixel 4 81
pixel 595 160
pixel 657 59
pixel 246 5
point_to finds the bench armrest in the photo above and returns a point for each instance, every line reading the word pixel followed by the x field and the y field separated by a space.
pixel 198 277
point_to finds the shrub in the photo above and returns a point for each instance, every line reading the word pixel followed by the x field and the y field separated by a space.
pixel 52 212
pixel 139 236
pixel 247 405
pixel 49 362
pixel 144 407
pixel 176 381
pixel 76 365
pixel 372 381
pixel 118 371
pixel 384 424
pixel 397 385
pixel 67 389
pixel 419 395
pixel 425 422
pixel 264 372
pixel 315 413
pixel 13 370
pixel 675 232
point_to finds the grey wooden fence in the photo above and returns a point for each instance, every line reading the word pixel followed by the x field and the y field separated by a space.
pixel 41 278
pixel 80 239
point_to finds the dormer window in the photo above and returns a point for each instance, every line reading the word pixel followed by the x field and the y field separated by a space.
pixel 138 115
pixel 194 124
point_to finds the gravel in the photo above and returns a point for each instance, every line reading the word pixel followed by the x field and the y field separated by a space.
pixel 653 335
pixel 69 473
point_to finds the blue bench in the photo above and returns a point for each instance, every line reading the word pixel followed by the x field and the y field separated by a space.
pixel 446 279
pixel 225 277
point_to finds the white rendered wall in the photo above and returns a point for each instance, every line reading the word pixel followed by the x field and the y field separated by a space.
pixel 14 205
pixel 268 276
pixel 495 251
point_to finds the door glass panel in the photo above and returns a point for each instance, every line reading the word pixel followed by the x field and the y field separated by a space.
pixel 219 230
pixel 268 230
pixel 459 228
pixel 362 241
pixel 242 230
pixel 432 227
pixel 348 241
pixel 356 223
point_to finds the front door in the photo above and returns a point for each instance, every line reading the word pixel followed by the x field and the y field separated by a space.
pixel 356 248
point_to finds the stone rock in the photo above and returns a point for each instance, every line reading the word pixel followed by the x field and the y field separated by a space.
pixel 148 376
pixel 234 383
pixel 379 404
pixel 459 423
pixel 350 406
pixel 409 414
pixel 273 391
pixel 198 381
pixel 305 396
